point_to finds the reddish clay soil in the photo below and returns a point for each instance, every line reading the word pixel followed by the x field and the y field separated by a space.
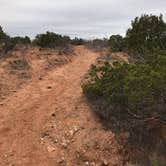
pixel 48 121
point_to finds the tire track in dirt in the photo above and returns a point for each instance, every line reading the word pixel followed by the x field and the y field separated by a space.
pixel 49 122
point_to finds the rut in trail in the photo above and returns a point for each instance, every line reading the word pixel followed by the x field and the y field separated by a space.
pixel 49 122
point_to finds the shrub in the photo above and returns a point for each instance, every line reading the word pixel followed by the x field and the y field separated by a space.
pixel 21 40
pixel 147 33
pixel 5 42
pixel 138 88
pixel 51 40
pixel 117 43
pixel 19 64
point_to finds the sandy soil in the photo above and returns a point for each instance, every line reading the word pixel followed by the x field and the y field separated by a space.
pixel 49 123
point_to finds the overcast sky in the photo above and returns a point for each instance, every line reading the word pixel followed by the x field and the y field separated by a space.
pixel 81 18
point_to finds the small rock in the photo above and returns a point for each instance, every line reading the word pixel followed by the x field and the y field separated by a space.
pixel 78 155
pixel 5 155
pixel 42 141
pixel 3 97
pixel 84 151
pixel 64 145
pixel 45 134
pixel 73 131
pixel 75 128
pixel 87 163
pixel 62 160
pixel 50 149
pixel 55 141
pixel 105 163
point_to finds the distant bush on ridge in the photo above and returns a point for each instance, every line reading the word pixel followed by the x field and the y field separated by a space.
pixel 21 40
pixel 77 41
pixel 51 40
pixel 117 43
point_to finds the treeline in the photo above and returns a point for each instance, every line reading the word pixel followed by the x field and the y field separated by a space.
pixel 131 97
pixel 137 88
pixel 45 40
pixel 7 43
pixel 146 34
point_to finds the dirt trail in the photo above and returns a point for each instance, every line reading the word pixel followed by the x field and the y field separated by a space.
pixel 49 122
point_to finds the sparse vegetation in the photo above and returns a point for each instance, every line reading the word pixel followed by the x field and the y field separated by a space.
pixel 97 44
pixel 139 88
pixel 19 64
pixel 117 43
pixel 131 96
pixel 21 40
pixel 54 62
